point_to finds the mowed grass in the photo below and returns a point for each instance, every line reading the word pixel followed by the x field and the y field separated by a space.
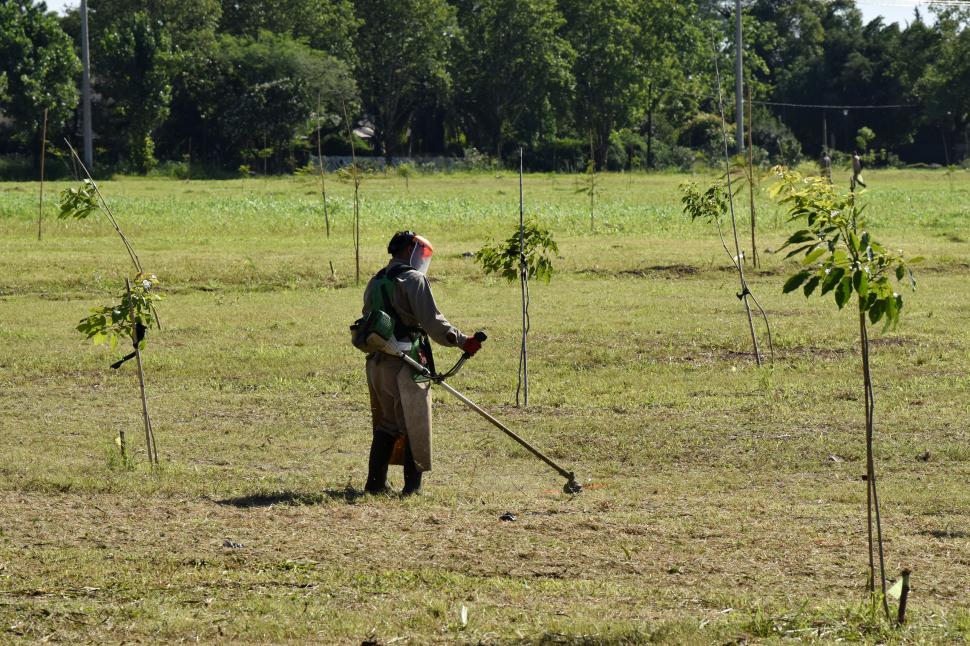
pixel 726 502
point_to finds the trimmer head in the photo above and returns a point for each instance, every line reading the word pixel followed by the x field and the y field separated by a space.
pixel 572 486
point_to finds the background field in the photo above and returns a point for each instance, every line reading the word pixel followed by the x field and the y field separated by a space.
pixel 729 504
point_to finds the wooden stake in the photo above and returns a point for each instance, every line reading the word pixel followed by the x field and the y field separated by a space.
pixel 149 433
pixel 43 149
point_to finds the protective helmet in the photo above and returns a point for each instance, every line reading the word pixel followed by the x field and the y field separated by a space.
pixel 421 255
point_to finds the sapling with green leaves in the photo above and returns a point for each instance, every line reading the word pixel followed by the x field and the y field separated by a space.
pixel 840 256
pixel 406 172
pixel 134 314
pixel 525 255
pixel 712 206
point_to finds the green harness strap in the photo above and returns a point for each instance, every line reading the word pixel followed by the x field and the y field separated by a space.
pixel 382 299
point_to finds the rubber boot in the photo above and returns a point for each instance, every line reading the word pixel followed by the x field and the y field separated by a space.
pixel 380 452
pixel 412 477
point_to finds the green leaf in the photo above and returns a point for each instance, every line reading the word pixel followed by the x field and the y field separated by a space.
pixel 811 285
pixel 795 281
pixel 892 312
pixel 814 255
pixel 853 241
pixel 832 279
pixel 916 260
pixel 799 237
pixel 876 310
pixel 843 292
pixel 860 282
pixel 900 272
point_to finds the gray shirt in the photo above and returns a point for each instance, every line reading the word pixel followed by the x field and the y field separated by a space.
pixel 414 303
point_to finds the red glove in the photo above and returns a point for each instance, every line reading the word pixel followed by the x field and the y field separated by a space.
pixel 471 346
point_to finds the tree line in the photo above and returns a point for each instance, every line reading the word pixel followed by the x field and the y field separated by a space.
pixel 628 84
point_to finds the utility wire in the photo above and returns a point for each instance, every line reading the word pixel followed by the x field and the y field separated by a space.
pixel 820 106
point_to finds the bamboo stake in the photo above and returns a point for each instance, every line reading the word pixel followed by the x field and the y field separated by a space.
pixel 754 245
pixel 114 223
pixel 356 177
pixel 43 150
pixel 323 182
pixel 524 285
pixel 107 210
pixel 592 182
pixel 872 496
pixel 149 433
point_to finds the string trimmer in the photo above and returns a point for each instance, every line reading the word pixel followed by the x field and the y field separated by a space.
pixel 572 485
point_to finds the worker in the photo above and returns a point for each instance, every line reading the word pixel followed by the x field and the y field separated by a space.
pixel 856 173
pixel 827 166
pixel 400 407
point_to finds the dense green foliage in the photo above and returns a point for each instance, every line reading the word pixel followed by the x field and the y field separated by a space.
pixel 627 83
pixel 37 72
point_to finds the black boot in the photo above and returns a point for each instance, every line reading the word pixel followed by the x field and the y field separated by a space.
pixel 380 452
pixel 412 477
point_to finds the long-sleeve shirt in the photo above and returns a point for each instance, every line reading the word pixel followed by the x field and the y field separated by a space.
pixel 414 303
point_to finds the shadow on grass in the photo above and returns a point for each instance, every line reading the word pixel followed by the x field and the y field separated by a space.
pixel 348 495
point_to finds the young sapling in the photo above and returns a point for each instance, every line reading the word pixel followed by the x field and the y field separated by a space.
pixel 356 175
pixel 136 311
pixel 840 255
pixel 526 254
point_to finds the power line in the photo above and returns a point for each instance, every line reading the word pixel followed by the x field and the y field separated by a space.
pixel 890 106
pixel 820 106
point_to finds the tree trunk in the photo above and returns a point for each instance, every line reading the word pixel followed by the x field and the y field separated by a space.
pixel 601 148
pixel 650 138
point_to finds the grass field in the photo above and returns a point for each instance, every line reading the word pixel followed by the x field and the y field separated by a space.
pixel 728 505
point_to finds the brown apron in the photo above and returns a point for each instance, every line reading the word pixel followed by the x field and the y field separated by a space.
pixel 399 406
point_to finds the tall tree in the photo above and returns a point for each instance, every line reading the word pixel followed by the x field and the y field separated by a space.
pixel 255 97
pixel 38 70
pixel 403 49
pixel 133 80
pixel 185 35
pixel 514 69
pixel 946 83
pixel 608 71
pixel 327 25
pixel 671 47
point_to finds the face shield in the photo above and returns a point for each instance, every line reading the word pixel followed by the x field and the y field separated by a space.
pixel 421 256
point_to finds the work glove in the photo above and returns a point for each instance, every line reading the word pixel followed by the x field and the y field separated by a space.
pixel 474 343
pixel 471 346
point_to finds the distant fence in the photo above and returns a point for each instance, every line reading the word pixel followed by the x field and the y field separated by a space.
pixel 335 162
